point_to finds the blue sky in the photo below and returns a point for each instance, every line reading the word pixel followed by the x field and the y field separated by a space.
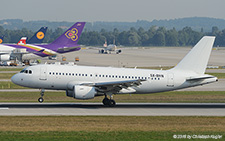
pixel 110 10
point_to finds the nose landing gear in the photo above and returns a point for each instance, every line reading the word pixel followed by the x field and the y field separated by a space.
pixel 41 99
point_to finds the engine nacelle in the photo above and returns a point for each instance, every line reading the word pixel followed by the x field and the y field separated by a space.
pixel 5 57
pixel 118 51
pixel 81 92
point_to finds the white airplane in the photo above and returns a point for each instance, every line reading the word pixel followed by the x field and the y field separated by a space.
pixel 107 49
pixel 85 82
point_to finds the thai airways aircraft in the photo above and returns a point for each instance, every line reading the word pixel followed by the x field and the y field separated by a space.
pixel 67 42
pixel 85 82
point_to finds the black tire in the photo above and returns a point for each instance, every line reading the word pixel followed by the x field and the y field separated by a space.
pixel 106 102
pixel 40 100
pixel 112 103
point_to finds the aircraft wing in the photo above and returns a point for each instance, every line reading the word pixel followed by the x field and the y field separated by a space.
pixel 114 86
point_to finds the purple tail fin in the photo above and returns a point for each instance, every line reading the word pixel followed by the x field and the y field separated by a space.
pixel 71 36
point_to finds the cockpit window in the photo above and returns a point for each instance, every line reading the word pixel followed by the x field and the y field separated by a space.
pixel 22 71
pixel 26 71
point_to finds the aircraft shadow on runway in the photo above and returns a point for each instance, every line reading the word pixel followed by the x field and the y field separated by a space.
pixel 124 105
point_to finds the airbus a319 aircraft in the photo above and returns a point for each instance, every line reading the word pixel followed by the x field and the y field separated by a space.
pixel 85 82
pixel 67 42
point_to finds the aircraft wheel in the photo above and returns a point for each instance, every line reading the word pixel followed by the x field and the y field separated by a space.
pixel 106 101
pixel 40 99
pixel 112 102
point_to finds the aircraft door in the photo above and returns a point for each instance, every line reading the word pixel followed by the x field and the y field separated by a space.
pixel 43 74
pixel 170 80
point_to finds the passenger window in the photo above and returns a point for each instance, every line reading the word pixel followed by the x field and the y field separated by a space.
pixel 30 72
pixel 26 71
pixel 50 73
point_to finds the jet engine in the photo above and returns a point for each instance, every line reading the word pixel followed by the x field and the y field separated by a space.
pixel 5 57
pixel 81 92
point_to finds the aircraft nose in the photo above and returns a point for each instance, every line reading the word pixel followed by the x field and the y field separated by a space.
pixel 16 79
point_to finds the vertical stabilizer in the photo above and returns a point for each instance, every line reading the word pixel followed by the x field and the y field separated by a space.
pixel 197 59
pixel 71 36
pixel 38 37
pixel 1 39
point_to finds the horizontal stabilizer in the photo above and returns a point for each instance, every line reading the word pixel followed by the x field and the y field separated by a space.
pixel 196 78
pixel 67 48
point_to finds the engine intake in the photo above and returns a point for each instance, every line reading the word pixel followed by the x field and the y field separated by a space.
pixel 81 92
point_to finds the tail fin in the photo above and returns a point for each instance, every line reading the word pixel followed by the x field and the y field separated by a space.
pixel 71 36
pixel 38 37
pixel 196 60
pixel 22 41
pixel 1 39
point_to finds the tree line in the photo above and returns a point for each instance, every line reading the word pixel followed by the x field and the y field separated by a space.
pixel 154 36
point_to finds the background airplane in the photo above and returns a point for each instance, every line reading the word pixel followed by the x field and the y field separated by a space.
pixel 67 42
pixel 107 49
pixel 85 82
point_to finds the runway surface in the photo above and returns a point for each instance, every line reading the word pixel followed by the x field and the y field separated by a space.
pixel 121 109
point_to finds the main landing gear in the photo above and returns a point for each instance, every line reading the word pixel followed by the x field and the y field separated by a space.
pixel 108 102
pixel 41 99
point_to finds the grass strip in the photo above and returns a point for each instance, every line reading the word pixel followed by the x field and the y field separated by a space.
pixel 218 75
pixel 107 127
pixel 166 97
pixel 10 85
pixel 6 75
pixel 102 136
pixel 10 69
